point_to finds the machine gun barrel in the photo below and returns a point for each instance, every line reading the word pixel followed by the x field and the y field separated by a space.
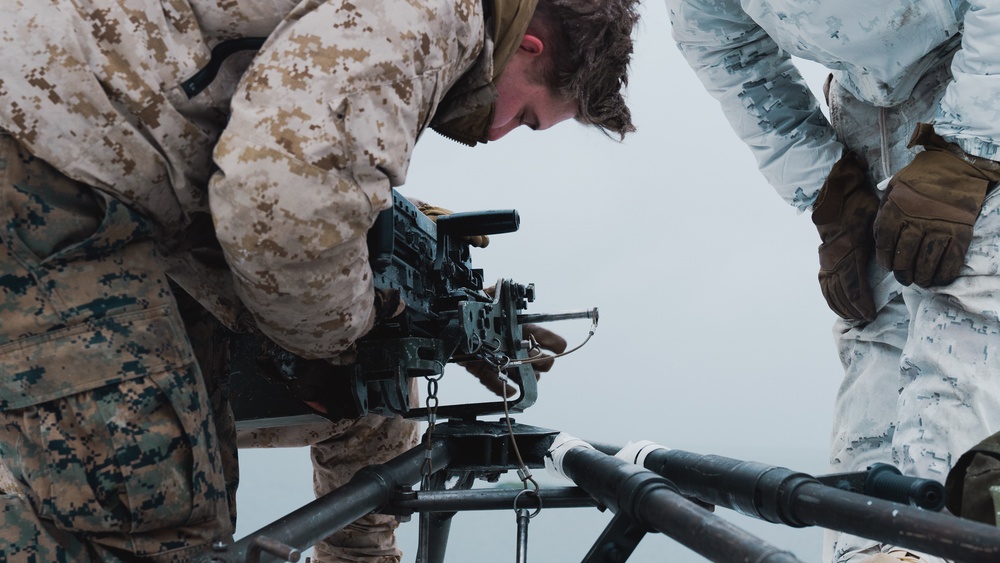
pixel 548 317
pixel 780 495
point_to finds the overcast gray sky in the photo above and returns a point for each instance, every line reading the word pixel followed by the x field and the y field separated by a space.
pixel 713 335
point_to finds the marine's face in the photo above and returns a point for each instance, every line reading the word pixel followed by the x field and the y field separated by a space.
pixel 523 99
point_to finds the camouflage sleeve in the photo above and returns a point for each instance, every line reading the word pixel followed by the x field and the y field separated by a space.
pixel 322 127
pixel 761 93
pixel 970 109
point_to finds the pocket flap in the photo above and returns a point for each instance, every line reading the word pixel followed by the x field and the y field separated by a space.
pixel 91 355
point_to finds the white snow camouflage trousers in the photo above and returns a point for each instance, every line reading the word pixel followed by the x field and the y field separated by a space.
pixel 922 381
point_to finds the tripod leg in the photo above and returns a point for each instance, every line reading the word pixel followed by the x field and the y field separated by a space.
pixel 436 526
pixel 617 542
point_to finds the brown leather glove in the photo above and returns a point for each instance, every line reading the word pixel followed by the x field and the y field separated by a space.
pixel 843 215
pixel 433 212
pixel 924 225
pixel 389 304
pixel 546 340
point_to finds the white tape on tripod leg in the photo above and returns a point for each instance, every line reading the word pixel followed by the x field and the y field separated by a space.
pixel 562 444
pixel 636 452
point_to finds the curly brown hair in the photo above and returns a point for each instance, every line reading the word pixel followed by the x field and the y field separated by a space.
pixel 590 48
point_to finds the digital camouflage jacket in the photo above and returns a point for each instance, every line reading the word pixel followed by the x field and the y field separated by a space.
pixel 308 139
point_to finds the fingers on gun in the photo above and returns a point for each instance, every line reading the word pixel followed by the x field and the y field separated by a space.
pixel 490 378
pixel 545 340
pixel 498 387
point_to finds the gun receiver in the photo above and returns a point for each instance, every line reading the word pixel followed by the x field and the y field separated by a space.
pixel 449 317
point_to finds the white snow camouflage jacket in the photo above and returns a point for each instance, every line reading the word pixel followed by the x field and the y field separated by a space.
pixel 877 49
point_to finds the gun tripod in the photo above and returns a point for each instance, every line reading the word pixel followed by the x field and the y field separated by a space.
pixel 652 490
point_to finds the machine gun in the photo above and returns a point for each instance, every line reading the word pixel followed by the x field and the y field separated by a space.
pixel 449 317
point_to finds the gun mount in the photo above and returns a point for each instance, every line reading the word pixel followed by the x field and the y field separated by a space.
pixel 648 488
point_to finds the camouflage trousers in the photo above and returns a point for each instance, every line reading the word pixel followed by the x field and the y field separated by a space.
pixel 106 426
pixel 338 450
pixel 922 381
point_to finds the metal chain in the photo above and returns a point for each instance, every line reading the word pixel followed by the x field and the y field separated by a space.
pixel 431 402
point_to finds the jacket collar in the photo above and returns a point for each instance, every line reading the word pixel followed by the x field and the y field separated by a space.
pixel 466 112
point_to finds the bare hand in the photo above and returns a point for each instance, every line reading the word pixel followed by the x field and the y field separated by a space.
pixel 545 339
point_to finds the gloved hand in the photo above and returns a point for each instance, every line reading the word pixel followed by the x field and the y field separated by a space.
pixel 546 340
pixel 843 215
pixel 433 212
pixel 924 225
pixel 388 304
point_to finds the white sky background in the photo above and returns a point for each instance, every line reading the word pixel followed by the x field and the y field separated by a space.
pixel 713 336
